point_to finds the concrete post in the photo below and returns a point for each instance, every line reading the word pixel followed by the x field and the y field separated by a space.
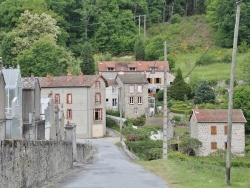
pixel 70 136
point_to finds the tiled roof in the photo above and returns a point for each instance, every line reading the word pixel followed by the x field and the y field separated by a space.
pixel 140 66
pixel 133 78
pixel 29 82
pixel 218 116
pixel 112 82
pixel 70 81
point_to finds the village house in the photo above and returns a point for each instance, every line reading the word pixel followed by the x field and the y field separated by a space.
pixel 33 126
pixel 211 128
pixel 134 94
pixel 154 71
pixel 2 103
pixel 112 95
pixel 82 98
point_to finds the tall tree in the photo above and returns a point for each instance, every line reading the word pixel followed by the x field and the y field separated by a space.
pixel 204 94
pixel 139 49
pixel 179 89
pixel 88 63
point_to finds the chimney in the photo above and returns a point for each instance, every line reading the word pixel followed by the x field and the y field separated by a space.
pixel 1 64
pixel 196 109
pixel 48 78
pixel 69 76
pixel 32 75
pixel 81 77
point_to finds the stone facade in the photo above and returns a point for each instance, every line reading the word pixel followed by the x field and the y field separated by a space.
pixel 213 135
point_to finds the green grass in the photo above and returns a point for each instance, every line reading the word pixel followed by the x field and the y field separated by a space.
pixel 180 130
pixel 185 174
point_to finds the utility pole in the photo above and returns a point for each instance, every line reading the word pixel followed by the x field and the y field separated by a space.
pixel 231 91
pixel 165 118
pixel 139 24
pixel 120 106
pixel 144 25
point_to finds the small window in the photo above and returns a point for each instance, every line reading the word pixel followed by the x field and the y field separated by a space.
pixel 139 88
pixel 213 130
pixel 69 98
pixel 136 110
pixel 213 145
pixel 131 100
pixel 225 145
pixel 69 114
pixel 98 114
pixel 114 102
pixel 107 100
pixel 98 98
pixel 139 100
pixel 150 80
pixel 57 98
pixel 97 84
pixel 131 89
pixel 114 89
pixel 110 69
pixel 157 80
pixel 132 69
pixel 225 129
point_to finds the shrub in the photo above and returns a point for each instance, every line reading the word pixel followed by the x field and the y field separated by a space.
pixel 243 47
pixel 176 118
pixel 206 60
pixel 227 58
pixel 176 18
pixel 218 153
pixel 186 145
pixel 154 153
pixel 139 121
pixel 178 155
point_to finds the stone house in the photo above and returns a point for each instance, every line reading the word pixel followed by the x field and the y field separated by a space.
pixel 134 94
pixel 82 98
pixel 2 103
pixel 211 127
pixel 154 71
pixel 33 126
pixel 13 105
pixel 112 95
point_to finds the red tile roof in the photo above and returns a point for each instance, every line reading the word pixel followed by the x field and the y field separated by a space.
pixel 218 116
pixel 70 81
pixel 139 65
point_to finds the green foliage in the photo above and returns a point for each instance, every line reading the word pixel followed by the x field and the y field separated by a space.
pixel 154 49
pixel 110 123
pixel 180 107
pixel 246 69
pixel 179 88
pixel 186 145
pixel 206 60
pixel 139 49
pixel 178 155
pixel 227 58
pixel 194 82
pixel 105 57
pixel 171 61
pixel 139 121
pixel 204 94
pixel 88 63
pixel 113 112
pixel 176 18
pixel 243 47
pixel 176 118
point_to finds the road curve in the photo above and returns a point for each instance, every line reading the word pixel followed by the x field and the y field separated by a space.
pixel 112 169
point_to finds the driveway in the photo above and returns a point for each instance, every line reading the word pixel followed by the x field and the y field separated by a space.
pixel 111 169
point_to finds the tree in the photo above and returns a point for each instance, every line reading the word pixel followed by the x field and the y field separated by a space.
pixel 246 70
pixel 242 101
pixel 204 94
pixel 139 49
pixel 188 145
pixel 88 63
pixel 179 88
pixel 194 82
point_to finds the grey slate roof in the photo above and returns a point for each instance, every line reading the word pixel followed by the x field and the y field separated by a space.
pixel 29 82
pixel 133 78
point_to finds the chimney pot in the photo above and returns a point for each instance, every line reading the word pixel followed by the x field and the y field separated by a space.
pixel 48 78
pixel 32 75
pixel 69 75
pixel 81 77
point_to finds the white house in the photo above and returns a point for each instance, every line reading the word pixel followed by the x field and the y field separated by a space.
pixel 112 95
pixel 211 128
pixel 83 100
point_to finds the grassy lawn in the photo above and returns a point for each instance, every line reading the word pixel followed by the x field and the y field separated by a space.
pixel 192 174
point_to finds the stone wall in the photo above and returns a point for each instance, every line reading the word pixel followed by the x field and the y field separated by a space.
pixel 29 163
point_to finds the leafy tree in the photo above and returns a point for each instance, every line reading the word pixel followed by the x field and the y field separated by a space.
pixel 154 49
pixel 242 101
pixel 139 49
pixel 88 63
pixel 246 70
pixel 194 82
pixel 179 88
pixel 188 145
pixel 204 94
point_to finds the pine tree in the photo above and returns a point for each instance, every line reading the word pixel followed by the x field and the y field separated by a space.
pixel 204 94
pixel 88 63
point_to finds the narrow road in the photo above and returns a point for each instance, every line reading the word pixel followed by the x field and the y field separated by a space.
pixel 111 169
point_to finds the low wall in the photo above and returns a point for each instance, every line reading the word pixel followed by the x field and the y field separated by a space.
pixel 29 163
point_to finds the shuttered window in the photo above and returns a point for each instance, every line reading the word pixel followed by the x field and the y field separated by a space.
pixel 213 130
pixel 69 98
pixel 213 145
pixel 226 130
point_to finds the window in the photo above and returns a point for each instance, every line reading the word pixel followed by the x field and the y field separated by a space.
pixel 153 70
pixel 69 114
pixel 57 98
pixel 213 130
pixel 98 114
pixel 136 110
pixel 114 102
pixel 139 100
pixel 98 98
pixel 139 88
pixel 69 98
pixel 107 100
pixel 131 89
pixel 225 130
pixel 113 89
pixel 225 145
pixel 97 84
pixel 157 80
pixel 150 80
pixel 110 69
pixel 132 69
pixel 131 100
pixel 213 145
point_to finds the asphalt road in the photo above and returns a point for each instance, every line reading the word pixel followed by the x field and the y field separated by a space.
pixel 111 169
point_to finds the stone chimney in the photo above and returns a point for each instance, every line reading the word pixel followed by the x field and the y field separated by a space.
pixel 32 75
pixel 196 109
pixel 81 77
pixel 69 76
pixel 1 64
pixel 48 80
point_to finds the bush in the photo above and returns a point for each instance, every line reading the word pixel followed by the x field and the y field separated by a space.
pixel 208 59
pixel 113 113
pixel 178 155
pixel 176 118
pixel 187 145
pixel 243 47
pixel 154 153
pixel 227 58
pixel 176 18
pixel 110 123
pixel 139 121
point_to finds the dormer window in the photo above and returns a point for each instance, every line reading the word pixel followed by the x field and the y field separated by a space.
pixel 152 69
pixel 110 69
pixel 132 69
